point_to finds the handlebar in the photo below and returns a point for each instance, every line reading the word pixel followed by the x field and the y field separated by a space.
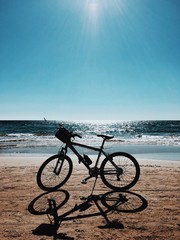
pixel 70 133
pixel 76 135
pixel 65 135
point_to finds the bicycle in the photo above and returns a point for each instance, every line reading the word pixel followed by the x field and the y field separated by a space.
pixel 119 171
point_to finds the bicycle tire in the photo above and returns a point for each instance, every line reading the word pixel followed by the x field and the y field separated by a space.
pixel 124 201
pixel 47 179
pixel 40 206
pixel 122 177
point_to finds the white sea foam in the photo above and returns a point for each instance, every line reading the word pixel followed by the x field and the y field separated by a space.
pixel 38 136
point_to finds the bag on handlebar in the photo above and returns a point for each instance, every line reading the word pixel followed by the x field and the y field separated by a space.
pixel 63 135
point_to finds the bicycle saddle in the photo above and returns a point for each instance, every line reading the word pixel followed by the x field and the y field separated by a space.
pixel 105 136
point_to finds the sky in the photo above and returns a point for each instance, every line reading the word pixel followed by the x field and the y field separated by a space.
pixel 90 59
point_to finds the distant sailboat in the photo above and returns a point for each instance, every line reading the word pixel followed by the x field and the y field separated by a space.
pixel 45 119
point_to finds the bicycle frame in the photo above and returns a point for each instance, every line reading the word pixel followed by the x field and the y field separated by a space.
pixel 80 157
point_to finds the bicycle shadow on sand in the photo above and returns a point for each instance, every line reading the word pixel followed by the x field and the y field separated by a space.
pixel 106 205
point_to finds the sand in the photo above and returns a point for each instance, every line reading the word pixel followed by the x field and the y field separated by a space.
pixel 155 200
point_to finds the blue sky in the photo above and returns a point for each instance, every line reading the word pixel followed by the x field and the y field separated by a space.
pixel 90 59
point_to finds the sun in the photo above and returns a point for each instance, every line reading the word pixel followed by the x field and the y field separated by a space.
pixel 98 11
pixel 93 9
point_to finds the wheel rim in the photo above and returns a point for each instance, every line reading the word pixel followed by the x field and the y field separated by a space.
pixel 120 172
pixel 49 176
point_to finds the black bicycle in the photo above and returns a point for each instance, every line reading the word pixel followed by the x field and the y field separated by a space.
pixel 119 171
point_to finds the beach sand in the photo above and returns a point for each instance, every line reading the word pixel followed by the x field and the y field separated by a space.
pixel 157 192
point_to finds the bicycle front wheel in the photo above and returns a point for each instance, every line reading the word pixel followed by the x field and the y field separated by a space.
pixel 120 171
pixel 54 173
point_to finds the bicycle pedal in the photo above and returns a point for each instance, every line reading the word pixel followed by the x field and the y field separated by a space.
pixel 83 181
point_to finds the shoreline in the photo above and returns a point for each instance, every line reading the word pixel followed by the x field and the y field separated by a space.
pixel 36 159
pixel 139 151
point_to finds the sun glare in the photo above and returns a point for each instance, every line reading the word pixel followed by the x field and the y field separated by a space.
pixel 93 11
pixel 96 10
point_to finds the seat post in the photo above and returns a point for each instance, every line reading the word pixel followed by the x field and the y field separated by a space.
pixel 102 145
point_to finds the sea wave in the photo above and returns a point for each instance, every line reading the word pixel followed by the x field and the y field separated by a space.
pixel 22 141
pixel 32 134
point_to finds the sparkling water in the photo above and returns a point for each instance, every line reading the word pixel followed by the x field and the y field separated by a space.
pixel 136 137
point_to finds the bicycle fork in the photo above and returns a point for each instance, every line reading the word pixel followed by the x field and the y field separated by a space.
pixel 60 161
pixel 58 166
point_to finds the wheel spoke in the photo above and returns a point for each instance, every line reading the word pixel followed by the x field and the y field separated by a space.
pixel 47 179
pixel 120 171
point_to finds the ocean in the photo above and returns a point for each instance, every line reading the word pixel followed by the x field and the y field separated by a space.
pixel 150 139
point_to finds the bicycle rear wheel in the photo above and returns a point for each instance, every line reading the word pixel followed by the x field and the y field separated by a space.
pixel 54 173
pixel 120 171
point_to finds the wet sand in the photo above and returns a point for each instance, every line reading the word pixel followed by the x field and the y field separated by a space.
pixel 156 194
